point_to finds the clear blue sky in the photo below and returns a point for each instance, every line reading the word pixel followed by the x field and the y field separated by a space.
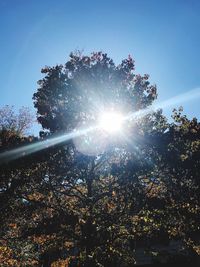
pixel 162 36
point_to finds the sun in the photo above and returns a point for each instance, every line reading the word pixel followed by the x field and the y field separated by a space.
pixel 111 122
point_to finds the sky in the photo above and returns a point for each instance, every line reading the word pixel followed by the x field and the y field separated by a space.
pixel 163 37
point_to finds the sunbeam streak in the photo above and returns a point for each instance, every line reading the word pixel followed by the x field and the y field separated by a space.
pixel 29 149
pixel 179 99
pixel 40 145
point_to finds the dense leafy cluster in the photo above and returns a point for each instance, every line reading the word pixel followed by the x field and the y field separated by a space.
pixel 60 207
pixel 73 93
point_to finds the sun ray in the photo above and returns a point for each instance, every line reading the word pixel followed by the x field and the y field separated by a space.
pixel 179 99
pixel 40 145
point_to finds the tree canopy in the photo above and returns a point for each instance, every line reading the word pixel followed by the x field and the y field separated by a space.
pixel 90 200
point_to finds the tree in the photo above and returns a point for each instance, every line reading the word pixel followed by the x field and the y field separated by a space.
pixel 88 200
pixel 13 178
pixel 12 133
pixel 17 123
pixel 72 96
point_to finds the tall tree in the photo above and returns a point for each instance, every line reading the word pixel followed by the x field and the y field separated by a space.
pixel 72 96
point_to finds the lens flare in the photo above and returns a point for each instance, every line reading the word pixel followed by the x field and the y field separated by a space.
pixel 111 122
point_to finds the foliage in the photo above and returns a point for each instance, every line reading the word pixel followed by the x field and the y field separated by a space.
pixel 71 94
pixel 63 207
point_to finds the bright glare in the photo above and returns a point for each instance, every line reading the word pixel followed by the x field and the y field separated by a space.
pixel 111 122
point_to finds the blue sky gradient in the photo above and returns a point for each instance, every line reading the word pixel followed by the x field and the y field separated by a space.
pixel 162 36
